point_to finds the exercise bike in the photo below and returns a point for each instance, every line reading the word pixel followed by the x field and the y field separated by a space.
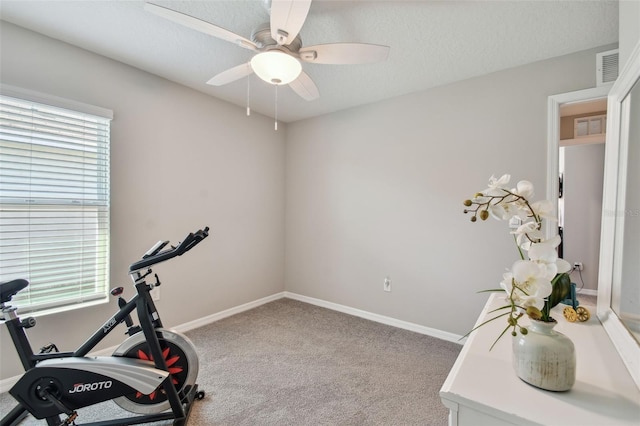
pixel 152 373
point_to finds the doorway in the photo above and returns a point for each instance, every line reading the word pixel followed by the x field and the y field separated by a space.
pixel 575 170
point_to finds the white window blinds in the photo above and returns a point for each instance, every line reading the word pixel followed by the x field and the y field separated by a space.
pixel 54 204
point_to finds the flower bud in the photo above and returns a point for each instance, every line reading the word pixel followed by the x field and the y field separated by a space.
pixel 524 331
pixel 467 203
pixel 478 195
pixel 484 215
pixel 514 334
pixel 534 313
pixel 473 219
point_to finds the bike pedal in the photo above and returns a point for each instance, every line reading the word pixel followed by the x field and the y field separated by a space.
pixel 71 420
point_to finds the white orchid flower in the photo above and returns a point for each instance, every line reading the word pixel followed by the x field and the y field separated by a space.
pixel 544 209
pixel 524 188
pixel 563 265
pixel 508 208
pixel 507 282
pixel 502 212
pixel 526 233
pixel 497 186
pixel 554 241
pixel 531 284
pixel 545 255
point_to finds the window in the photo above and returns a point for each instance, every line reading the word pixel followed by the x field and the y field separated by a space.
pixel 54 202
pixel 589 126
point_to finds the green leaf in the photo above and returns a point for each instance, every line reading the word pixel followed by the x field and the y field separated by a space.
pixel 561 287
pixel 487 321
pixel 499 309
pixel 501 334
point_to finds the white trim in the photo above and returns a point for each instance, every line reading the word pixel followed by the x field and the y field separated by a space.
pixel 587 292
pixel 455 338
pixel 454 408
pixel 8 383
pixel 43 98
pixel 183 328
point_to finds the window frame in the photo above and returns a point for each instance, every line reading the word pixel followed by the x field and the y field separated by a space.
pixel 86 110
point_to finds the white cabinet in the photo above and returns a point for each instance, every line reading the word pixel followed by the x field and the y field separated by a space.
pixel 482 388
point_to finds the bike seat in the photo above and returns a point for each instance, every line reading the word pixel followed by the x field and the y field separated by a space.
pixel 8 289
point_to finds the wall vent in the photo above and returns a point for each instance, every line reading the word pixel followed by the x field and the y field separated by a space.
pixel 606 67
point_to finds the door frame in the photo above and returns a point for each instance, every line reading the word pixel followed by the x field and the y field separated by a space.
pixel 553 141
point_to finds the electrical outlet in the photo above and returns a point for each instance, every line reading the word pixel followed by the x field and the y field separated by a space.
pixel 515 222
pixel 387 284
pixel 578 265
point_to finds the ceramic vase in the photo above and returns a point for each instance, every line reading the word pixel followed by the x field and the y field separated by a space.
pixel 544 357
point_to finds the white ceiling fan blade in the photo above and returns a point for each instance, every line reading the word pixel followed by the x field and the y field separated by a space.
pixel 305 87
pixel 287 18
pixel 199 25
pixel 344 53
pixel 232 74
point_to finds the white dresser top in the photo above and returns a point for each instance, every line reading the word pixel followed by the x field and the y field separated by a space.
pixel 604 393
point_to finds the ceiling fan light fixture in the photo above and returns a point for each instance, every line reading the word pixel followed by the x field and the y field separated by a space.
pixel 276 67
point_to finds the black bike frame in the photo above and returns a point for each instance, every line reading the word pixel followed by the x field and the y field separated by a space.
pixel 142 299
pixel 149 320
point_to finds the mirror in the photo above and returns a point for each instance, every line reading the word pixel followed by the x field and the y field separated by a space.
pixel 619 278
pixel 625 290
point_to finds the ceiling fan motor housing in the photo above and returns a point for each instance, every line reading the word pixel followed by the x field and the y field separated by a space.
pixel 261 36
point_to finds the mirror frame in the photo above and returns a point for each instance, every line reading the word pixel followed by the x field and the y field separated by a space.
pixel 616 148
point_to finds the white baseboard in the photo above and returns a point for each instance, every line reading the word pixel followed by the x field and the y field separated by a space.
pixel 183 328
pixel 8 383
pixel 455 338
pixel 587 292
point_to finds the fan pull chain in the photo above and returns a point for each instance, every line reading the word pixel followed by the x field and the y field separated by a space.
pixel 276 115
pixel 248 96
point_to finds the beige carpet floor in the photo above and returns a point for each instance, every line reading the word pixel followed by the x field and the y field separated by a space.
pixel 291 363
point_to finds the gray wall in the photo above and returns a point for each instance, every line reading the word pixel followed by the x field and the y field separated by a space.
pixel 180 160
pixel 583 178
pixel 377 191
pixel 629 21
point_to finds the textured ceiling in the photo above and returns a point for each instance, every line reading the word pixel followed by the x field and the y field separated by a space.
pixel 433 43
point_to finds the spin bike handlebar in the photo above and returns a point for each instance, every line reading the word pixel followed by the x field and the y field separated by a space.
pixel 155 255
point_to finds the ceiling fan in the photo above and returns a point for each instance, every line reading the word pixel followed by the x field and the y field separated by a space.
pixel 278 47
